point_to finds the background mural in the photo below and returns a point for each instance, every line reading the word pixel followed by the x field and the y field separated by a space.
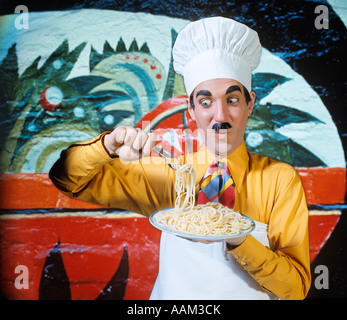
pixel 65 79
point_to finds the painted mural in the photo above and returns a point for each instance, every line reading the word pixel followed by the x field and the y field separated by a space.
pixel 88 79
pixel 122 86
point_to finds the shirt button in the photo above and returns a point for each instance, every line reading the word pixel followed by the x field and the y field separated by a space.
pixel 243 263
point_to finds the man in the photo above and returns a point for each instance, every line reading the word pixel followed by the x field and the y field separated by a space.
pixel 216 57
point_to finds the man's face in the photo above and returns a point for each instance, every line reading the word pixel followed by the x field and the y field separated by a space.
pixel 221 101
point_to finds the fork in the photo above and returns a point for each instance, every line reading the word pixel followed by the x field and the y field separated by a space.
pixel 161 153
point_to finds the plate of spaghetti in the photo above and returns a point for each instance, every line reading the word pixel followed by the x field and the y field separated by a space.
pixel 210 222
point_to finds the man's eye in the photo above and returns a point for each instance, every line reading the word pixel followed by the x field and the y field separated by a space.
pixel 233 100
pixel 205 103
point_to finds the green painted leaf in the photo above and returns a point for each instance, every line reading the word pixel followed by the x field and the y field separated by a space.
pixel 121 46
pixel 134 46
pixel 261 118
pixel 65 61
pixel 301 157
pixel 118 116
pixel 263 83
pixel 144 48
pixel 9 72
pixel 86 83
pixel 282 115
pixel 108 48
pixel 94 58
pixel 277 146
pixel 271 116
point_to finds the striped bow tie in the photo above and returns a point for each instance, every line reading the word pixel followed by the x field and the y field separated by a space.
pixel 217 186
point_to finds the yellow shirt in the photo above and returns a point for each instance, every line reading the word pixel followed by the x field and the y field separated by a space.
pixel 266 190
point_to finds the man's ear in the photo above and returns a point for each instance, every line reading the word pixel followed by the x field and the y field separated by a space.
pixel 191 110
pixel 251 103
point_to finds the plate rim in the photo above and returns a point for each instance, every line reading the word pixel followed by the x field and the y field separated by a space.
pixel 197 237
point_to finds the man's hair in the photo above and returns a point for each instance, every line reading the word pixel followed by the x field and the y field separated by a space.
pixel 247 97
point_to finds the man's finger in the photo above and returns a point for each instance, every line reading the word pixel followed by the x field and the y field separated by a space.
pixel 120 133
pixel 131 134
pixel 140 140
pixel 149 145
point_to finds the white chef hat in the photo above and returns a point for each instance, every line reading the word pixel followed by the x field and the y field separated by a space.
pixel 214 48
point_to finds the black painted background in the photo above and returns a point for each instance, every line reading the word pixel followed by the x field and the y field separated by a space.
pixel 286 28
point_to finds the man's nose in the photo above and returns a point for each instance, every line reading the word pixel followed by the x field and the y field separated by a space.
pixel 221 112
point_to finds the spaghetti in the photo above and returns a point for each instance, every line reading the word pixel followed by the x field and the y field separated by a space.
pixel 184 186
pixel 211 219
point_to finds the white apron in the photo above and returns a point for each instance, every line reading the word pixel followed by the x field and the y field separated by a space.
pixel 196 271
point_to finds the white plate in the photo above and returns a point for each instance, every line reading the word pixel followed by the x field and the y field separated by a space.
pixel 189 236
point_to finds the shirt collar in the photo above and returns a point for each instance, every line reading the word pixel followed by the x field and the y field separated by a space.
pixel 237 163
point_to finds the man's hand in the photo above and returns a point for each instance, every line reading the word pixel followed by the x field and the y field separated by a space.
pixel 129 143
pixel 234 242
pixel 231 243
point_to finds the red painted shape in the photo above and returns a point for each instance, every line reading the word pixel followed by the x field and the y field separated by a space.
pixel 169 118
pixel 172 114
pixel 34 191
pixel 320 229
pixel 44 101
pixel 91 249
pixel 324 185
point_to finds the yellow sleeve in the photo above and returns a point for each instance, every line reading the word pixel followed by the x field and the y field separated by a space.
pixel 283 269
pixel 85 171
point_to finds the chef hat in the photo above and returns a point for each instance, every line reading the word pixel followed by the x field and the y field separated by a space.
pixel 214 48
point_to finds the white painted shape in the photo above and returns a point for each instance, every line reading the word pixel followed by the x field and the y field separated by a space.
pixel 340 8
pixel 171 137
pixel 321 139
pixel 78 112
pixel 43 38
pixel 54 95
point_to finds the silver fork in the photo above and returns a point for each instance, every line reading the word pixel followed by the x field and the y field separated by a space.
pixel 161 153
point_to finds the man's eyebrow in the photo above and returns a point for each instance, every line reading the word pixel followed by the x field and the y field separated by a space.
pixel 232 89
pixel 203 93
